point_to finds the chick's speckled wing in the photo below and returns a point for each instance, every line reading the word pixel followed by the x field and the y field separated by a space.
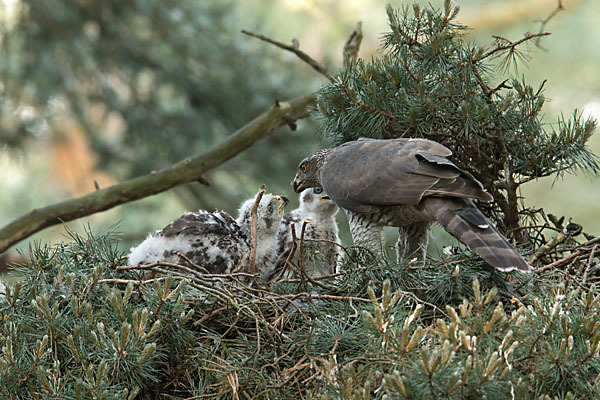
pixel 211 240
pixel 192 224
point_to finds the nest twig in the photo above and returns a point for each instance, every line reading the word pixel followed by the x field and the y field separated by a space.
pixel 259 196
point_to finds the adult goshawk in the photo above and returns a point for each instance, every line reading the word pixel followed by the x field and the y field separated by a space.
pixel 409 184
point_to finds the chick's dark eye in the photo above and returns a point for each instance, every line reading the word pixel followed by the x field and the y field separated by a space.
pixel 270 208
pixel 318 190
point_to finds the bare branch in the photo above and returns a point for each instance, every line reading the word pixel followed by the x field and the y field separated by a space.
pixel 557 263
pixel 588 264
pixel 132 281
pixel 199 268
pixel 191 272
pixel 296 296
pixel 188 170
pixel 253 215
pixel 301 258
pixel 317 66
pixel 559 8
pixel 352 45
pixel 509 45
pixel 548 247
pixel 302 231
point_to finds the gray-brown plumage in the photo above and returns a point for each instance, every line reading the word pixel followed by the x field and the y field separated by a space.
pixel 409 184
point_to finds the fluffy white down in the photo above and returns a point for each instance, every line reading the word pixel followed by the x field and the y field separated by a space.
pixel 2 292
pixel 151 250
pixel 316 207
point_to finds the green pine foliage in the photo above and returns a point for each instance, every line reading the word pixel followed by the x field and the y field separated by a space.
pixel 79 324
pixel 430 82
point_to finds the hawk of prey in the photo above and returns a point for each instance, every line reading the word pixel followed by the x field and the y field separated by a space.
pixel 321 234
pixel 217 242
pixel 406 183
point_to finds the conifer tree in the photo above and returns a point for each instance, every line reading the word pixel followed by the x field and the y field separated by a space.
pixel 430 82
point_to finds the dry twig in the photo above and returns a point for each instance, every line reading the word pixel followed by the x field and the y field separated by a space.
pixel 317 66
pixel 510 45
pixel 352 45
pixel 588 265
pixel 259 196
pixel 548 247
pixel 558 9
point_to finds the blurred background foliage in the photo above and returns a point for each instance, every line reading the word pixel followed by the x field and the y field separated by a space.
pixel 100 92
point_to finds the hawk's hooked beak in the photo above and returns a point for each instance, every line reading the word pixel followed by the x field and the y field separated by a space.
pixel 282 203
pixel 298 185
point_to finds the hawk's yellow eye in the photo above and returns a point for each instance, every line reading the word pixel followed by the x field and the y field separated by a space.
pixel 303 168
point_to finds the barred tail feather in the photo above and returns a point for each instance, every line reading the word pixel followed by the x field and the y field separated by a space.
pixel 465 222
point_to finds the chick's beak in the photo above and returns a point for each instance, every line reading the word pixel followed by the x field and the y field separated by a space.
pixel 325 198
pixel 282 203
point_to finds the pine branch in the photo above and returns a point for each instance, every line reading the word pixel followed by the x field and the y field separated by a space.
pixel 360 104
pixel 188 170
pixel 509 45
